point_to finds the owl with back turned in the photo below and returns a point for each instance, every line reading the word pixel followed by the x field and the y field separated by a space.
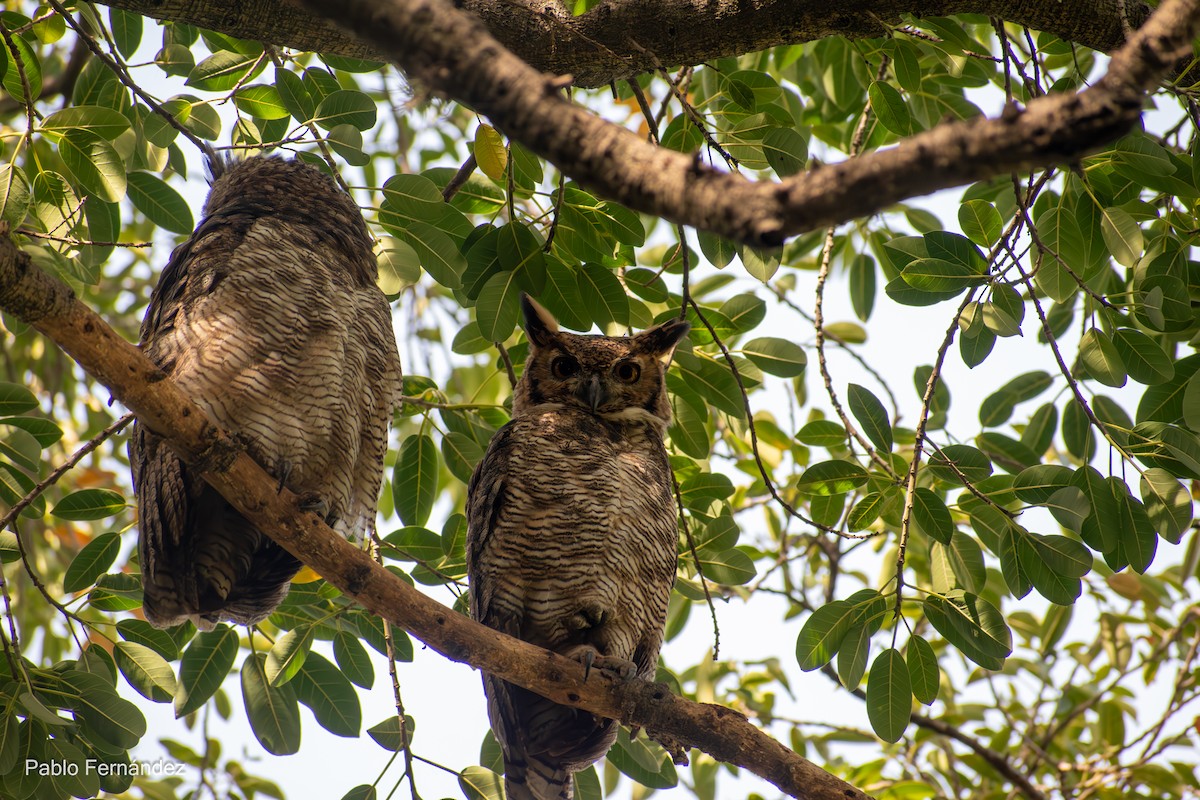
pixel 269 317
pixel 572 534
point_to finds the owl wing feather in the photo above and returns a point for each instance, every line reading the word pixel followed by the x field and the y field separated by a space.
pixel 268 316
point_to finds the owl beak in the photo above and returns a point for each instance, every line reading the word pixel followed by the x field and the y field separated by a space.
pixel 592 392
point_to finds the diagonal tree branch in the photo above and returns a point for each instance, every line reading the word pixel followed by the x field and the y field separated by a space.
pixel 618 39
pixel 450 51
pixel 50 306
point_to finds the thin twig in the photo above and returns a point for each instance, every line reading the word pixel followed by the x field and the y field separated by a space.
pixel 460 178
pixel 687 533
pixel 508 364
pixel 390 646
pixel 123 76
pixel 59 471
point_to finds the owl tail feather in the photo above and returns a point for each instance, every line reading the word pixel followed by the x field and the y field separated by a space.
pixel 536 780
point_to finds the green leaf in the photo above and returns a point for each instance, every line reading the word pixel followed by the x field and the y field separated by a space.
pixel 730 567
pixel 889 108
pixel 1038 483
pixel 776 356
pixel 714 382
pixel 973 625
pixel 116 720
pixel 852 657
pixel 602 294
pixel 92 562
pixel 1143 357
pixel 831 477
pixel 399 265
pixel 273 711
pixel 103 122
pixel 346 107
pixel 1062 555
pixel 981 222
pixel 498 306
pixel 94 164
pixel 940 276
pixel 953 461
pixel 415 479
pixel 141 632
pixel 414 543
pixel 923 670
pixel 126 29
pixel 1101 358
pixel 1122 236
pixel 161 204
pixel 329 694
pixel 145 670
pixel 89 504
pixel 12 76
pixel 1060 232
pixel 931 516
pixel 719 251
pixel 288 655
pixel 889 695
pixel 1004 313
pixel 698 491
pixel 14 195
pixel 646 762
pixel 438 253
pixel 786 151
pixel 16 399
pixel 294 96
pixel 862 286
pixel 480 783
pixel 1168 503
pixel 871 415
pixel 222 71
pixel 203 668
pixel 760 263
pixel 975 349
pixel 823 633
pixel 391 735
pixel 353 659
pixel 262 101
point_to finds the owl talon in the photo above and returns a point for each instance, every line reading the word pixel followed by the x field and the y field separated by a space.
pixel 311 501
pixel 285 470
pixel 623 669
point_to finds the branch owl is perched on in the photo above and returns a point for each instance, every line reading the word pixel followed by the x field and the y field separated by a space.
pixel 268 316
pixel 572 534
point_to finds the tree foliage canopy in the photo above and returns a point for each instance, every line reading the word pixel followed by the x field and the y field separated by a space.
pixel 1003 587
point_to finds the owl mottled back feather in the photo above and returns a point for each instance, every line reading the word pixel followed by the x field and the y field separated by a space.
pixel 572 534
pixel 269 317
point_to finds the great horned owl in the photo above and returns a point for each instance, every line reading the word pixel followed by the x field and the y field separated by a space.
pixel 269 317
pixel 572 534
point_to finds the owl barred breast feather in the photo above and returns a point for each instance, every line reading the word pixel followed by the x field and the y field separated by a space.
pixel 572 534
pixel 269 317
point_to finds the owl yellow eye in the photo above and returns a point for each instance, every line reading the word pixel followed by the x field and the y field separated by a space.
pixel 627 372
pixel 564 367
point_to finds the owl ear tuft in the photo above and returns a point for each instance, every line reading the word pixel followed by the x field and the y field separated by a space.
pixel 540 324
pixel 660 341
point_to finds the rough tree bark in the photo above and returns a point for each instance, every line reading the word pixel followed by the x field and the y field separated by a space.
pixel 618 39
pixel 451 51
pixel 50 306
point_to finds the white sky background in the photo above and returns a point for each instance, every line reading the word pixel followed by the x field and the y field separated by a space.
pixel 446 698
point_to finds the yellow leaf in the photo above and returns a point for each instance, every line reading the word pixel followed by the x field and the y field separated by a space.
pixel 490 153
pixel 306 575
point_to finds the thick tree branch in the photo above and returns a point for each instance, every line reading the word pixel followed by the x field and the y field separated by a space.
pixel 450 51
pixel 618 39
pixel 50 306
